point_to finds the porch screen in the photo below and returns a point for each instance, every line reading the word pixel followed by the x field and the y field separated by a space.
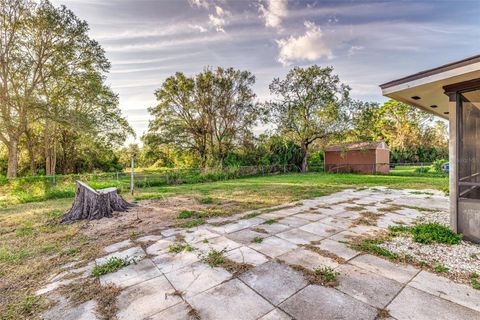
pixel 469 145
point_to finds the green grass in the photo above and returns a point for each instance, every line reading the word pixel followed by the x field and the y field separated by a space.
pixel 440 268
pixel 192 223
pixel 257 240
pixel 372 246
pixel 214 258
pixel 433 232
pixel 474 281
pixel 327 272
pixel 113 264
pixel 269 221
pixel 185 214
pixel 179 247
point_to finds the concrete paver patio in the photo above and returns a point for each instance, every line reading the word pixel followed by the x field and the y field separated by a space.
pixel 168 285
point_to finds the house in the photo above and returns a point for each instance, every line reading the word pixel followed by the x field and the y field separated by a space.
pixel 452 92
pixel 358 157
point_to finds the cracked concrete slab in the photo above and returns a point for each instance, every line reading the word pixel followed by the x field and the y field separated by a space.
pixel 320 228
pixel 397 272
pixel 118 246
pixel 368 287
pixel 145 299
pixel 340 249
pixel 160 246
pixel 246 255
pixel 179 311
pixel 230 300
pixel 330 303
pixel 245 236
pixel 294 221
pixel 412 304
pixel 131 274
pixel 274 281
pixel 307 259
pixel 298 236
pixel 196 278
pixel 276 314
pixel 169 261
pixel 135 252
pixel 274 228
pixel 218 244
pixel 447 289
pixel 273 246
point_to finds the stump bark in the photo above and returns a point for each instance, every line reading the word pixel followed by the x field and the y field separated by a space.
pixel 90 204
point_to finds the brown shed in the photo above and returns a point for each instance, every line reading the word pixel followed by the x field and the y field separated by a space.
pixel 358 157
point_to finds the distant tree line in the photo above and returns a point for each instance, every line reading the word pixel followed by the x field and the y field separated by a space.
pixel 57 115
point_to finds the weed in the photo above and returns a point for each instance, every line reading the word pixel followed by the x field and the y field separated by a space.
pixel 205 240
pixel 440 268
pixel 474 281
pixel 25 230
pixel 250 215
pixel 323 253
pixel 179 247
pixel 383 314
pixel 323 276
pixel 396 231
pixel 29 304
pixel 133 234
pixel 214 258
pixel 257 240
pixel 113 264
pixel 366 218
pixel 206 200
pixel 473 256
pixel 185 214
pixel 193 223
pixel 434 232
pixel 372 246
pixel 421 192
pixel 270 221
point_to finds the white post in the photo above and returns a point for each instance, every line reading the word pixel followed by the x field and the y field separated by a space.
pixel 132 178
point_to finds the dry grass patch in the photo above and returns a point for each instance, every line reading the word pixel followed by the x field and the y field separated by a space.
pixel 216 258
pixel 366 218
pixel 259 230
pixel 324 276
pixel 383 314
pixel 90 289
pixel 324 253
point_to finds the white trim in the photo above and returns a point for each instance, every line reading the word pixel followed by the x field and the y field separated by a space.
pixel 433 78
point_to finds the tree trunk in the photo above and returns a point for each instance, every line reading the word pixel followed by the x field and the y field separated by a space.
pixel 31 153
pixel 50 152
pixel 12 158
pixel 304 147
pixel 90 204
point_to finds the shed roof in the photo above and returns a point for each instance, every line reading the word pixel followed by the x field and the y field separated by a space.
pixel 359 145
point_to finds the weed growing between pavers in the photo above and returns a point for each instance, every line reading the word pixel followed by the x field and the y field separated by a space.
pixel 474 281
pixel 372 246
pixel 421 192
pixel 27 307
pixel 324 276
pixel 355 208
pixel 366 218
pixel 90 289
pixel 216 258
pixel 113 264
pixel 270 221
pixel 324 253
pixel 221 223
pixel 257 239
pixel 383 314
pixel 250 215
pixel 440 268
pixel 179 247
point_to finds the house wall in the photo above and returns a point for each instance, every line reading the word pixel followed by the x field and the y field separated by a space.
pixel 356 161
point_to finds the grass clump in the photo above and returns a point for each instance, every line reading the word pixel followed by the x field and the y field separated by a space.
pixel 440 268
pixel 355 208
pixel 257 239
pixel 193 223
pixel 113 264
pixel 372 246
pixel 324 276
pixel 214 258
pixel 179 247
pixel 250 215
pixel 327 273
pixel 428 233
pixel 270 221
pixel 206 200
pixel 185 214
pixel 474 281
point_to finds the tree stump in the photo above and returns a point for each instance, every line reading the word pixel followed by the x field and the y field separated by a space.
pixel 90 204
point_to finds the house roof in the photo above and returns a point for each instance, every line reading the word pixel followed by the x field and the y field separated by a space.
pixel 359 145
pixel 426 89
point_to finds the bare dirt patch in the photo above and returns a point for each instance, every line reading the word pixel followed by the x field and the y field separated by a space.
pixel 148 217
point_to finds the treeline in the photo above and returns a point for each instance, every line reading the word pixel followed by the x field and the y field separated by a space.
pixel 207 120
pixel 57 115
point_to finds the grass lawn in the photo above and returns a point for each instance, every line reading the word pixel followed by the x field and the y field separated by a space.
pixel 33 245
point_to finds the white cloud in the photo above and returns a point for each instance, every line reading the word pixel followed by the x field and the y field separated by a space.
pixel 354 49
pixel 198 28
pixel 199 3
pixel 311 46
pixel 275 11
pixel 218 19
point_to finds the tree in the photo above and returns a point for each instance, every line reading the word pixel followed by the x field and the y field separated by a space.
pixel 311 105
pixel 207 114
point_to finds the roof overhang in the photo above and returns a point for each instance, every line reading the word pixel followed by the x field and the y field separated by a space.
pixel 426 89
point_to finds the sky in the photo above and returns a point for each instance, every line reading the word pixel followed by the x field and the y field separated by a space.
pixel 367 42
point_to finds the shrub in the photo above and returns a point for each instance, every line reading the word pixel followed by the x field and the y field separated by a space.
pixel 433 232
pixel 421 170
pixel 437 165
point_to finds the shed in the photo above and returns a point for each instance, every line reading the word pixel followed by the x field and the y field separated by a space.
pixel 358 157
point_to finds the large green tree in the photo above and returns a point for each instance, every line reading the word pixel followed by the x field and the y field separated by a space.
pixel 311 104
pixel 207 114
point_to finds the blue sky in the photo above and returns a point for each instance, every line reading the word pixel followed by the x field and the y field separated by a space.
pixel 367 42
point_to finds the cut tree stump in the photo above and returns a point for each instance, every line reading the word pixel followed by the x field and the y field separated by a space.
pixel 90 204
